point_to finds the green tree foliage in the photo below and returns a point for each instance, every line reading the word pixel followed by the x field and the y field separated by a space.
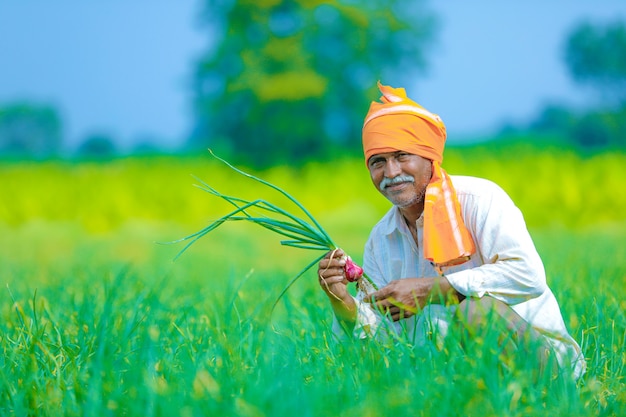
pixel 97 146
pixel 596 56
pixel 285 80
pixel 591 128
pixel 29 130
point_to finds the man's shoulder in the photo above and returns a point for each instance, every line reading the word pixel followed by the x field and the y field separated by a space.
pixel 480 194
pixel 467 185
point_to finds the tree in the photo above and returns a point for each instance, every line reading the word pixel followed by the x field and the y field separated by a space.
pixel 97 146
pixel 287 79
pixel 596 56
pixel 30 130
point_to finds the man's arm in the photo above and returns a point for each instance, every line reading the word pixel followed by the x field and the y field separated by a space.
pixel 512 270
pixel 406 297
pixel 333 281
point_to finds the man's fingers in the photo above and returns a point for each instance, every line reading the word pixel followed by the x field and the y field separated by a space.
pixel 334 254
pixel 384 305
pixel 330 263
pixel 395 310
pixel 331 280
pixel 378 296
pixel 400 313
pixel 388 308
pixel 330 272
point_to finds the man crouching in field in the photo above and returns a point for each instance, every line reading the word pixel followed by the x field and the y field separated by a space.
pixel 446 239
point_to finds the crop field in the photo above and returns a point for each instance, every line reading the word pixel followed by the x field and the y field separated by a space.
pixel 98 319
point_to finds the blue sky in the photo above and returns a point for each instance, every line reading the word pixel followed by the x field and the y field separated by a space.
pixel 122 66
pixel 502 61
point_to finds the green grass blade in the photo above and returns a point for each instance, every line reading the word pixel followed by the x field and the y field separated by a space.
pixel 297 236
pixel 265 205
pixel 281 191
pixel 195 236
pixel 310 233
pixel 294 279
pixel 303 245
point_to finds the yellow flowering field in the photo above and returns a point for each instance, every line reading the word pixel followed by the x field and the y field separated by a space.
pixel 98 318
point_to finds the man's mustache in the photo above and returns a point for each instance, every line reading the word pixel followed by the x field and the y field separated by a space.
pixel 386 182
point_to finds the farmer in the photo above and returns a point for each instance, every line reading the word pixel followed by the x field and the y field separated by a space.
pixel 452 249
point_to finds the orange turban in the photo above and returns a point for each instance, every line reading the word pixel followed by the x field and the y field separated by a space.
pixel 400 124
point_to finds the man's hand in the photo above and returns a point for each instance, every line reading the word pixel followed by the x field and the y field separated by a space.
pixel 333 281
pixel 404 298
pixel 331 275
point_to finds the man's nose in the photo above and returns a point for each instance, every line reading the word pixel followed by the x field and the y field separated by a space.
pixel 392 168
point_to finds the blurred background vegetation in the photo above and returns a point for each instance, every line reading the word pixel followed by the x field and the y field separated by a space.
pixel 283 82
pixel 282 88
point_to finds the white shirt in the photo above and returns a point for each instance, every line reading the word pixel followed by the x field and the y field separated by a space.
pixel 505 266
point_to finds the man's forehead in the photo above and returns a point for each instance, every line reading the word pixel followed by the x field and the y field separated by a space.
pixel 391 153
pixel 383 156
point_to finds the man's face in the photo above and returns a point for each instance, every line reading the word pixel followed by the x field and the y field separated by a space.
pixel 400 176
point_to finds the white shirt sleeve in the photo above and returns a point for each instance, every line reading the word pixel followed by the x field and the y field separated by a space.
pixel 367 322
pixel 512 270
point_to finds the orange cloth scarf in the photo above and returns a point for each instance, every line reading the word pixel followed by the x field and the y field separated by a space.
pixel 400 124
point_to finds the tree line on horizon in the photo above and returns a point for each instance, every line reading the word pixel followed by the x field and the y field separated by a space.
pixel 289 81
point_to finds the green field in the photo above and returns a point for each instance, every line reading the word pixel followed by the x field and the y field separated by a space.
pixel 98 320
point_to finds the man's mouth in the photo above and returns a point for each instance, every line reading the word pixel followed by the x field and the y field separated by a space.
pixel 396 186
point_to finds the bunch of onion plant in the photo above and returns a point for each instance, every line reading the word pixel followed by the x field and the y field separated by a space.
pixel 299 230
